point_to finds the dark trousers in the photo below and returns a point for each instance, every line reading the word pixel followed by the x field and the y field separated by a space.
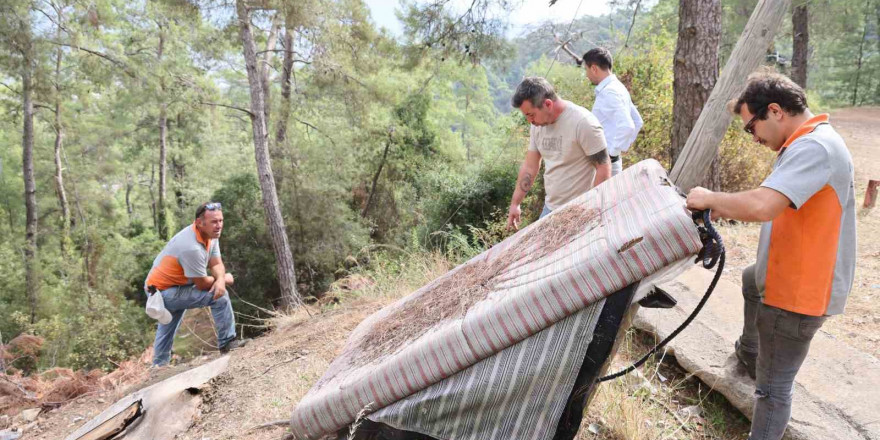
pixel 781 339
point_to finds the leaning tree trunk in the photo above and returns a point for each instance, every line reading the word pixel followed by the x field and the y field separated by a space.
pixel 800 43
pixel 59 138
pixel 274 221
pixel 161 220
pixel 30 190
pixel 702 144
pixel 695 71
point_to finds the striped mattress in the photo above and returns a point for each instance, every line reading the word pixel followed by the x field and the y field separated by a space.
pixel 422 385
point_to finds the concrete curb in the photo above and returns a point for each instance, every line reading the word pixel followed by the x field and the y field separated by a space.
pixel 837 391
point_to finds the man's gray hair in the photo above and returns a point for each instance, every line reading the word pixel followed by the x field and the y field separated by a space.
pixel 535 89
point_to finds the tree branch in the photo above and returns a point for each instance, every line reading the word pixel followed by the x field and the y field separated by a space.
pixel 635 13
pixel 316 129
pixel 53 20
pixel 38 105
pixel 10 88
pixel 97 54
pixel 228 106
pixel 564 46
pixel 280 422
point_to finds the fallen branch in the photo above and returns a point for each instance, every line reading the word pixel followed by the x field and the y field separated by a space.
pixel 279 422
pixel 678 419
pixel 298 356
pixel 25 393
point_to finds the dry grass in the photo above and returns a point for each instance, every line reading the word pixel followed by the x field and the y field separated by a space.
pixel 660 401
pixel 59 386
pixel 454 295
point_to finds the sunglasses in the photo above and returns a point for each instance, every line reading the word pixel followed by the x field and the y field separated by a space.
pixel 213 206
pixel 750 126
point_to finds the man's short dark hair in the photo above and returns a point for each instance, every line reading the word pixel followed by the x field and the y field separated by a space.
pixel 535 89
pixel 767 87
pixel 214 206
pixel 599 57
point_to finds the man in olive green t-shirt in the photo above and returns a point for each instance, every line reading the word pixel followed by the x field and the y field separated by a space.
pixel 567 137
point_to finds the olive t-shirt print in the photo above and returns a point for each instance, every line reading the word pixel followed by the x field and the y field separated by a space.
pixel 565 146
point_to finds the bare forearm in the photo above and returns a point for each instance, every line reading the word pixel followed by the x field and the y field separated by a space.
pixel 747 206
pixel 602 163
pixel 523 184
pixel 204 283
pixel 219 271
pixel 603 173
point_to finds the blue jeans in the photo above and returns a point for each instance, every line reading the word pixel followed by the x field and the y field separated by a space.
pixel 544 212
pixel 180 298
pixel 782 339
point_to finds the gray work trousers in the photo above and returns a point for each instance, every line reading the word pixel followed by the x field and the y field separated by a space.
pixel 782 339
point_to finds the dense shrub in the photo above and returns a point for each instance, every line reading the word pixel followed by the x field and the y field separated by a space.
pixel 322 233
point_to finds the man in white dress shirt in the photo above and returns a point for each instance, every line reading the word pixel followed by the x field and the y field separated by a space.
pixel 613 106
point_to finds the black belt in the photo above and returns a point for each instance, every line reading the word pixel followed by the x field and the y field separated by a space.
pixel 615 158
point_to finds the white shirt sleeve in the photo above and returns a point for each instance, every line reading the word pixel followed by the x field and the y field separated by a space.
pixel 614 115
pixel 637 121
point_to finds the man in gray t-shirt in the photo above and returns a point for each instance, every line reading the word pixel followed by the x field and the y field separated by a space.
pixel 180 275
pixel 807 248
pixel 567 137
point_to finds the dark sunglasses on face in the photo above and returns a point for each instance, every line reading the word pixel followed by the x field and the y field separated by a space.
pixel 750 126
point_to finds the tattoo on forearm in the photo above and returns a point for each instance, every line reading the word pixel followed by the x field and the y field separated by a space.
pixel 599 158
pixel 525 183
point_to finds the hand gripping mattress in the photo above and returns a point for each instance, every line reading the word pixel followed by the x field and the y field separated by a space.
pixel 622 231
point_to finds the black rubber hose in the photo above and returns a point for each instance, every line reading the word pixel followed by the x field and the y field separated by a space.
pixel 713 252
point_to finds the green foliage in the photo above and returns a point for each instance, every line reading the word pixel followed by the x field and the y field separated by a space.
pixel 94 332
pixel 470 202
pixel 245 245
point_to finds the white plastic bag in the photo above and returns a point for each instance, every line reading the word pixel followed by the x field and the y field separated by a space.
pixel 156 308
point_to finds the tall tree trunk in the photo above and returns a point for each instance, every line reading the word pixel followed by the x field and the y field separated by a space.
pixel 161 220
pixel 376 178
pixel 32 269
pixel 129 185
pixel 861 56
pixel 695 72
pixel 800 42
pixel 271 42
pixel 464 135
pixel 59 137
pixel 6 202
pixel 702 144
pixel 153 197
pixel 276 151
pixel 274 221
